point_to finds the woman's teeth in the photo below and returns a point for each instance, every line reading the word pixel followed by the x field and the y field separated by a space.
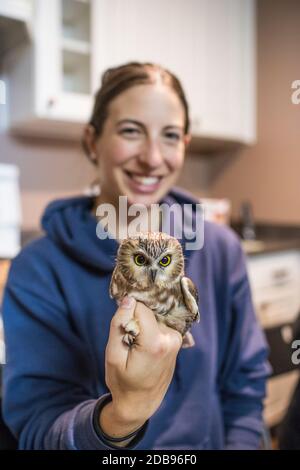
pixel 145 180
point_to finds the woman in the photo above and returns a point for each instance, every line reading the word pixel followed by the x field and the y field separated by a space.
pixel 70 382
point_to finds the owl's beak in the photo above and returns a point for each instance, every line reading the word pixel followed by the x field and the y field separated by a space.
pixel 153 273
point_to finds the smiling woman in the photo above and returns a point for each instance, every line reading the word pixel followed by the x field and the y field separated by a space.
pixel 70 381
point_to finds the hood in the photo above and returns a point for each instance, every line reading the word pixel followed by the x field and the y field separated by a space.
pixel 71 225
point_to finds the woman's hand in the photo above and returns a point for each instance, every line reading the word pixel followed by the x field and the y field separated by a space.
pixel 138 377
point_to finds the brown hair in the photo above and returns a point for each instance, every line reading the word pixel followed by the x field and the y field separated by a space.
pixel 118 79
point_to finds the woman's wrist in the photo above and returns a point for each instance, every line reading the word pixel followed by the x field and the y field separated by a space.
pixel 130 439
pixel 116 424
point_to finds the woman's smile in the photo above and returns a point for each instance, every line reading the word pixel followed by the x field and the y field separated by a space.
pixel 142 183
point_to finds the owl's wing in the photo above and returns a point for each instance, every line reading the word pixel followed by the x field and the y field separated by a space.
pixel 117 287
pixel 190 295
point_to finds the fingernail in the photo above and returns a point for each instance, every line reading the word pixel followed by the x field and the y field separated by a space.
pixel 127 302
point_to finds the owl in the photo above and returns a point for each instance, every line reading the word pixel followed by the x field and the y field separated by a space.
pixel 150 268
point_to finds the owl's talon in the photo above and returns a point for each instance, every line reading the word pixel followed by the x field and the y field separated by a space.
pixel 132 331
pixel 132 327
pixel 129 339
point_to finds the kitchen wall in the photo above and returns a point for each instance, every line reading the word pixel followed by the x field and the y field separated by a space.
pixel 48 170
pixel 268 173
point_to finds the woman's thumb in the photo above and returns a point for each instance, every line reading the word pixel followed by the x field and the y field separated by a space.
pixel 123 315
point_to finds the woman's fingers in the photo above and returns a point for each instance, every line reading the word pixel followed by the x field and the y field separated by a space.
pixel 154 335
pixel 174 336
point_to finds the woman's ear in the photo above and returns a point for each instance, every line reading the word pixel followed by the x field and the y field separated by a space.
pixel 89 143
pixel 187 139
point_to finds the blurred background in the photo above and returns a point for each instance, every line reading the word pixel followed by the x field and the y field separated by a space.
pixel 238 61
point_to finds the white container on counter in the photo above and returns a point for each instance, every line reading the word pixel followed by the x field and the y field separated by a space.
pixel 217 210
pixel 10 211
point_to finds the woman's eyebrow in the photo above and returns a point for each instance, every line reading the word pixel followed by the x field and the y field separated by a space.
pixel 131 121
pixel 140 124
pixel 174 126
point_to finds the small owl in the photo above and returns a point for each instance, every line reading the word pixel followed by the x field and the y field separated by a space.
pixel 150 268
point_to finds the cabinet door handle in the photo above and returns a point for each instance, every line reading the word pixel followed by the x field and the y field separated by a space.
pixel 51 102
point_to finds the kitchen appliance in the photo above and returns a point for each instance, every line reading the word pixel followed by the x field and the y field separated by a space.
pixel 10 211
pixel 247 219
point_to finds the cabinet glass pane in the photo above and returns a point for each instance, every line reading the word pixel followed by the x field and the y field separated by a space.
pixel 76 72
pixel 76 19
pixel 75 44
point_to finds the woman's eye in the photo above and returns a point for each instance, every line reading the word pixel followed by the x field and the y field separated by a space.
pixel 172 136
pixel 140 260
pixel 165 261
pixel 130 131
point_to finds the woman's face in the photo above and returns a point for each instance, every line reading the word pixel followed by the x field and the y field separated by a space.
pixel 141 149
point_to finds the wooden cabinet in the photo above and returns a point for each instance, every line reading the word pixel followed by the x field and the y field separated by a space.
pixel 208 44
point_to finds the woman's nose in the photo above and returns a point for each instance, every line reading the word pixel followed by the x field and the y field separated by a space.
pixel 151 155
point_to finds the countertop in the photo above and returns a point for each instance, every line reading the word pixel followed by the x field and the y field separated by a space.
pixel 270 238
pixel 257 247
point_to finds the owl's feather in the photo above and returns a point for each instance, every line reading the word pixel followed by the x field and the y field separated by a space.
pixel 172 296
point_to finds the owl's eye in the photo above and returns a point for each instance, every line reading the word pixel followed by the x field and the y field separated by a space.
pixel 165 261
pixel 140 260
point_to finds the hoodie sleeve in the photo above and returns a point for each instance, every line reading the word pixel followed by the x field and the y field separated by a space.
pixel 49 391
pixel 244 367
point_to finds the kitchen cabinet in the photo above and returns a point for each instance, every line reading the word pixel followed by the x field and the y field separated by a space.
pixel 208 44
pixel 275 284
pixel 226 108
pixel 50 80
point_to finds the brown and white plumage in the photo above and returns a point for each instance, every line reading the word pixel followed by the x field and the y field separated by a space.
pixel 158 282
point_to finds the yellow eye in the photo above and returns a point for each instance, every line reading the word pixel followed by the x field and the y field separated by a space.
pixel 165 261
pixel 140 260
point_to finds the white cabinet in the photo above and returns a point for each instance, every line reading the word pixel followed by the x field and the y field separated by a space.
pixel 50 79
pixel 208 44
pixel 275 284
pixel 226 106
